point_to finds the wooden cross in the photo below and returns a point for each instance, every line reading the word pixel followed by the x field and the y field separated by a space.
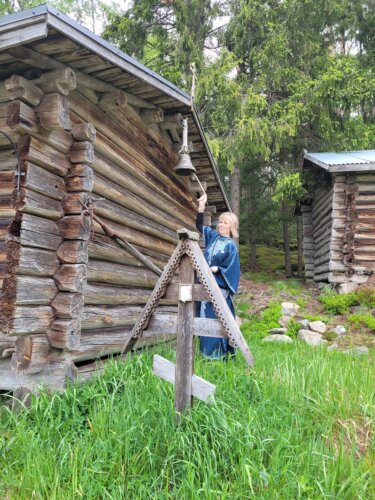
pixel 188 257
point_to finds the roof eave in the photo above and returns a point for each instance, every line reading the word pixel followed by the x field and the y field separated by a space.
pixel 32 24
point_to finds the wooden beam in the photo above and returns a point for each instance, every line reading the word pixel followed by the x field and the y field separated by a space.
pixel 200 388
pixel 42 61
pixel 185 345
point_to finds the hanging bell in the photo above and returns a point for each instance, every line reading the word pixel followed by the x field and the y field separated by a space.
pixel 185 166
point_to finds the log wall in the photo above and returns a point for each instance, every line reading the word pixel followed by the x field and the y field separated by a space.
pixel 70 294
pixel 339 231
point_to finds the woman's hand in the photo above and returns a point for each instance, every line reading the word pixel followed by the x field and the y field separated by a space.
pixel 202 202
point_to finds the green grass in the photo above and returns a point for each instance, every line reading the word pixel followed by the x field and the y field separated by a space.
pixel 294 427
pixel 269 259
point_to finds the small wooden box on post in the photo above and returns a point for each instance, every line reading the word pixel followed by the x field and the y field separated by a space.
pixel 190 261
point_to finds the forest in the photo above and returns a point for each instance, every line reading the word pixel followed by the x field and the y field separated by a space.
pixel 270 80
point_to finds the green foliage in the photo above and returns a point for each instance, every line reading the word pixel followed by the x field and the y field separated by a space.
pixel 338 303
pixel 366 297
pixel 330 336
pixel 364 319
pixel 293 328
pixel 341 303
pixel 289 188
pixel 290 428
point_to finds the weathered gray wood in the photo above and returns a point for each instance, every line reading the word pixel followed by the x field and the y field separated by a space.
pixel 30 32
pixel 58 80
pixel 117 213
pixel 84 132
pixel 53 112
pixel 199 292
pixel 73 252
pixel 95 317
pixel 152 115
pixel 55 375
pixel 80 178
pixel 31 319
pixel 7 345
pixel 64 333
pixel 73 202
pixel 185 345
pixel 47 155
pixel 40 180
pixel 17 118
pixel 30 202
pixel 200 388
pixel 33 291
pixel 118 274
pixel 159 290
pixel 100 294
pixel 38 232
pixel 8 160
pixel 68 305
pixel 74 227
pixel 82 152
pixel 31 355
pixel 71 277
pixel 18 87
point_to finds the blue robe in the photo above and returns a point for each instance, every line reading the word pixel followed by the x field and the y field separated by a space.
pixel 221 251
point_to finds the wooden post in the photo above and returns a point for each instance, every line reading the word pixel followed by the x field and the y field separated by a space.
pixel 185 345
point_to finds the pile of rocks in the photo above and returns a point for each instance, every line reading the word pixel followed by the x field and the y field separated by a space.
pixel 311 332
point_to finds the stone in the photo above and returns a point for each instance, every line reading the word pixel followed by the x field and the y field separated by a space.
pixel 347 287
pixel 284 321
pixel 373 312
pixel 278 338
pixel 304 323
pixel 311 338
pixel 289 308
pixel 278 331
pixel 333 347
pixel 317 326
pixel 339 329
pixel 359 351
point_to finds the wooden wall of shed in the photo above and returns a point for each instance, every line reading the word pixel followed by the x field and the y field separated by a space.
pixel 339 231
pixel 322 227
pixel 352 248
pixel 67 297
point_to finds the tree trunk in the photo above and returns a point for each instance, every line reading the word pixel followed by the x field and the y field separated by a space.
pixel 235 192
pixel 250 203
pixel 288 263
pixel 299 247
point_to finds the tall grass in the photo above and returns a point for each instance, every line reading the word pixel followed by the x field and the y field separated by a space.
pixel 298 426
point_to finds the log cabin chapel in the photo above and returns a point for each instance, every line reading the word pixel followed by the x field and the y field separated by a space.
pixel 88 122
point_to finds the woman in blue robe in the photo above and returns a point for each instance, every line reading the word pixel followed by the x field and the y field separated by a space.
pixel 221 254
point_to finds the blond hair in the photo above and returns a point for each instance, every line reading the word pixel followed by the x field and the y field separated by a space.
pixel 233 223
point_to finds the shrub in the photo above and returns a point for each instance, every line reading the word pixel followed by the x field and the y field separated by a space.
pixel 338 304
pixel 293 328
pixel 364 320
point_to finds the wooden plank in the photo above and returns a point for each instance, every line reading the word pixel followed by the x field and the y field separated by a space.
pixel 185 345
pixel 200 388
pixel 30 33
